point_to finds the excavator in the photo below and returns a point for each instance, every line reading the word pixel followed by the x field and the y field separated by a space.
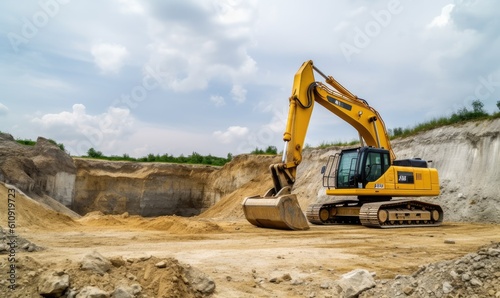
pixel 367 185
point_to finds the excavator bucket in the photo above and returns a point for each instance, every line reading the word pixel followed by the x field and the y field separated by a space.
pixel 280 212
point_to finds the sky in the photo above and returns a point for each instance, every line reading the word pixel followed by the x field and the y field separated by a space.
pixel 214 77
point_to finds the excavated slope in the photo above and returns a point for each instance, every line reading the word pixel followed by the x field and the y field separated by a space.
pixel 147 189
pixel 153 189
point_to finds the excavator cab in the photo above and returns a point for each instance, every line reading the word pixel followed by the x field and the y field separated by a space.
pixel 354 168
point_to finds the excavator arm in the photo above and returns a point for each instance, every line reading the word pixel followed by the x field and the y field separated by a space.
pixel 339 101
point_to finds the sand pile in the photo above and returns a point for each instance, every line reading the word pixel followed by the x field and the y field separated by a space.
pixel 172 224
pixel 30 213
pixel 229 207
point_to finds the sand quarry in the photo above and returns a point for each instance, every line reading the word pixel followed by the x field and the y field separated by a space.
pixel 219 254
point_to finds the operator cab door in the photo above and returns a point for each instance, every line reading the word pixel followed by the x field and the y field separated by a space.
pixel 373 165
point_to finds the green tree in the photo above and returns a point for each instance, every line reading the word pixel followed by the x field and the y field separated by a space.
pixel 271 150
pixel 196 158
pixel 93 153
pixel 477 107
pixel 498 105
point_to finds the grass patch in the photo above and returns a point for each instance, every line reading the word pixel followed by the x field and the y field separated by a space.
pixel 461 116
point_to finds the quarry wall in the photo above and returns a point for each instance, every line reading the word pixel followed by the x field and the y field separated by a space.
pixel 467 157
pixel 147 189
pixel 152 189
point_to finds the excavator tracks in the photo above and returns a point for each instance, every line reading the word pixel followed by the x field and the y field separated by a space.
pixel 387 214
pixel 400 214
pixel 337 212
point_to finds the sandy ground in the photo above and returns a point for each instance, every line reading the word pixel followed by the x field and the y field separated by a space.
pixel 242 259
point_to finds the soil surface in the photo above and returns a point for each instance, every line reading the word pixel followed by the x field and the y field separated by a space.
pixel 245 261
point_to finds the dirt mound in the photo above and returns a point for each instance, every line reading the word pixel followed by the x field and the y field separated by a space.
pixel 172 224
pixel 229 207
pixel 144 277
pixel 474 275
pixel 30 213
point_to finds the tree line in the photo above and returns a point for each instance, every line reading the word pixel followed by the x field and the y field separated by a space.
pixel 194 158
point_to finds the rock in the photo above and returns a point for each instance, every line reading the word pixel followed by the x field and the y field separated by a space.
pixel 476 282
pixel 465 277
pixel 355 282
pixel 3 247
pixel 449 241
pixel 161 264
pixel 145 258
pixel 447 287
pixel 454 274
pixel 408 290
pixel 136 289
pixel 297 282
pixel 286 277
pixel 92 292
pixel 117 262
pixel 123 292
pixel 52 284
pixel 96 262
pixel 71 293
pixel 493 252
pixel 200 282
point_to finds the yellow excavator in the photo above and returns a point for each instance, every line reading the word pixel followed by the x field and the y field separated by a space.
pixel 370 177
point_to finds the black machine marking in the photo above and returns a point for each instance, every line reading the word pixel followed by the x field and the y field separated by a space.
pixel 406 177
pixel 339 103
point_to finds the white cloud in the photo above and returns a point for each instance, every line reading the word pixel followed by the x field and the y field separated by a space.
pixel 130 7
pixel 79 130
pixel 217 100
pixel 3 109
pixel 110 58
pixel 239 93
pixel 197 42
pixel 231 134
pixel 444 18
pixel 233 12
